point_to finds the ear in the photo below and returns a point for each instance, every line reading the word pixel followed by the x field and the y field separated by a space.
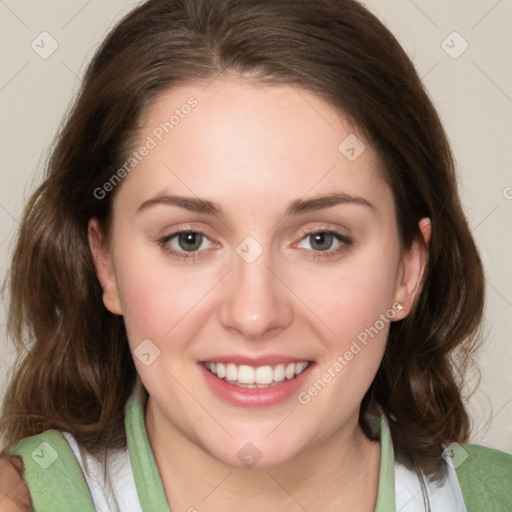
pixel 104 267
pixel 413 265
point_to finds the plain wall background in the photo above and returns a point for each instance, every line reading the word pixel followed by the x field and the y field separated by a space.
pixel 472 92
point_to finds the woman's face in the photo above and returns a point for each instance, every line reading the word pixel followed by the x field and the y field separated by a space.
pixel 244 167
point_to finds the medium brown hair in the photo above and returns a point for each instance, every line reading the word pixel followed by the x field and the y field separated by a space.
pixel 75 370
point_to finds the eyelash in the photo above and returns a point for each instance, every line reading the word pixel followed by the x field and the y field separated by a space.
pixel 345 240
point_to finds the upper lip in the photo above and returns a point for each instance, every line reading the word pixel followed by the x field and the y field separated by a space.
pixel 268 360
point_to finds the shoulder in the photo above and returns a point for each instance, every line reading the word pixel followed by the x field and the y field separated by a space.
pixel 485 477
pixel 52 473
pixel 13 495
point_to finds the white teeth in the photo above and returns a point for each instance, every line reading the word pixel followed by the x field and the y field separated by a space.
pixel 264 375
pixel 245 374
pixel 231 372
pixel 221 371
pixel 279 373
pixel 260 377
pixel 290 371
pixel 300 367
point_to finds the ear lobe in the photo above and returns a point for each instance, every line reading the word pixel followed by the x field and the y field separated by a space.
pixel 414 264
pixel 104 267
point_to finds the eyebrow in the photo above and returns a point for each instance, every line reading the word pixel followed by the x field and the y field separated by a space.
pixel 295 207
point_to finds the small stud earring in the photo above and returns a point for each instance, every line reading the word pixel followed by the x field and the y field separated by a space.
pixel 398 306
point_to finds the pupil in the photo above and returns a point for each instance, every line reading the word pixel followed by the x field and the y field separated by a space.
pixel 322 238
pixel 194 239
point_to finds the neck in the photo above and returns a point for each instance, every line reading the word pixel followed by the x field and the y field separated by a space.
pixel 341 473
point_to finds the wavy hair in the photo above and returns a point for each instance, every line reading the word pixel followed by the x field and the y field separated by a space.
pixel 75 371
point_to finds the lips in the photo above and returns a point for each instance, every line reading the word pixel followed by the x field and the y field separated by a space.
pixel 271 359
pixel 240 394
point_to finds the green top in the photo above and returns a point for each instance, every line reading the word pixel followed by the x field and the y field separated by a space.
pixel 55 480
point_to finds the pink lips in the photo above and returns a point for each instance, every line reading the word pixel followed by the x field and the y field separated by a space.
pixel 255 397
pixel 270 360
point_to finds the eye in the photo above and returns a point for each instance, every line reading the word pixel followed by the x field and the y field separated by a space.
pixel 189 244
pixel 183 244
pixel 321 243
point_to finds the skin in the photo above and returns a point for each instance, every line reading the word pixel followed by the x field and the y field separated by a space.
pixel 14 494
pixel 253 149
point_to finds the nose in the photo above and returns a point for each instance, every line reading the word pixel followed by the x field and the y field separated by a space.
pixel 255 299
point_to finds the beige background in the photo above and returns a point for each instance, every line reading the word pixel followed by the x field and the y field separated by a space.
pixel 472 91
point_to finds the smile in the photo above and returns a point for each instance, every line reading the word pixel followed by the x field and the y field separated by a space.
pixel 246 376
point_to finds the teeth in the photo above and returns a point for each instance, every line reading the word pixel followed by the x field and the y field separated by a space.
pixel 300 367
pixel 231 372
pixel 290 371
pixel 264 375
pixel 260 377
pixel 220 371
pixel 279 373
pixel 245 375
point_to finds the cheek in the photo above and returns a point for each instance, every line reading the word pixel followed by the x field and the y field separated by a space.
pixel 354 304
pixel 356 308
pixel 154 296
pixel 350 297
pixel 155 302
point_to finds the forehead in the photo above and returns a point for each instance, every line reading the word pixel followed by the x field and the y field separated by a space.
pixel 230 139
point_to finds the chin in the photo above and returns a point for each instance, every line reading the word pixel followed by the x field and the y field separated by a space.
pixel 253 454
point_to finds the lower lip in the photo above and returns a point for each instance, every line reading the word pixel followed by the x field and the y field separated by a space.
pixel 254 397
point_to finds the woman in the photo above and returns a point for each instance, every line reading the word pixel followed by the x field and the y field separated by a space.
pixel 234 276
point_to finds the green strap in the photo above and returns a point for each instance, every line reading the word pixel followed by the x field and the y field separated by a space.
pixel 145 471
pixel 485 477
pixel 52 474
pixel 386 492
